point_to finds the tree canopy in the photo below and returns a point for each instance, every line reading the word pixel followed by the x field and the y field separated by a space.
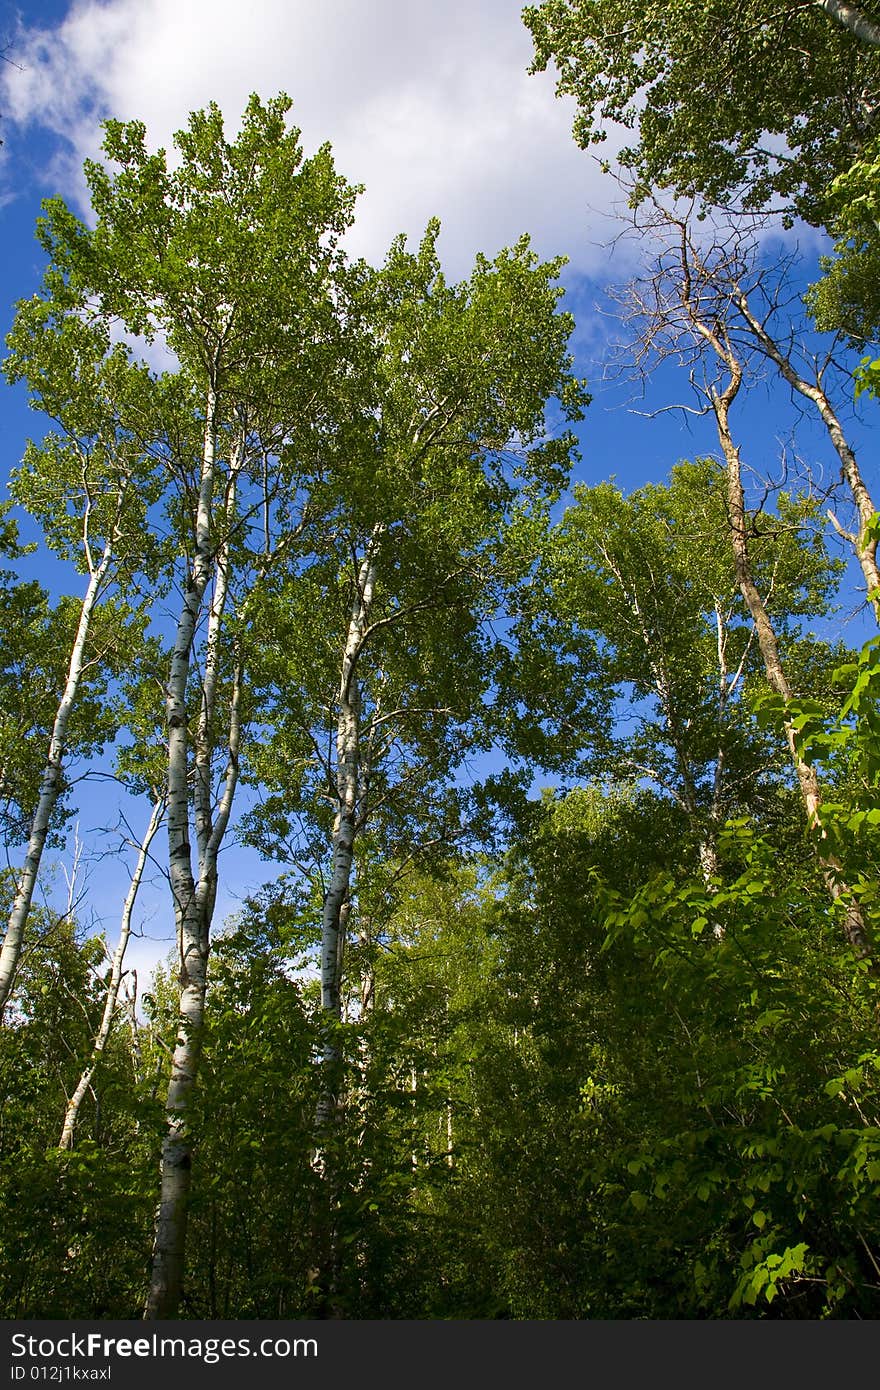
pixel 759 105
pixel 559 999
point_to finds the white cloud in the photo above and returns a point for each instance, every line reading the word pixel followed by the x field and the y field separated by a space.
pixel 426 103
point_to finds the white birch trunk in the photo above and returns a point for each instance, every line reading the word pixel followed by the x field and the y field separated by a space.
pixel 166 1279
pixel 808 781
pixel 169 1244
pixel 131 992
pixel 686 794
pixel 865 550
pixel 715 336
pixel 334 919
pixel 204 736
pixel 344 827
pixel 50 788
pixel 853 18
pixel 413 1086
pixel 727 683
pixel 103 1033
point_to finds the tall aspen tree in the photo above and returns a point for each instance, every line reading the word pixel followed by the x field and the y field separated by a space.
pixel 89 484
pixel 230 257
pixel 454 439
pixel 682 309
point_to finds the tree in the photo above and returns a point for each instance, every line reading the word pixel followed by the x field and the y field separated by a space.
pixel 90 485
pixel 114 982
pixel 722 279
pixel 34 641
pixel 846 300
pixel 644 586
pixel 63 1213
pixel 250 1245
pixel 721 394
pixel 231 257
pixel 459 377
pixel 761 104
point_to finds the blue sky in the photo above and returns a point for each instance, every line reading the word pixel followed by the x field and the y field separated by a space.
pixel 430 106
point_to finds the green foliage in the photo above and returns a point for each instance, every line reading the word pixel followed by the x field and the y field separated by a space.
pixel 75 1227
pixel 634 600
pixel 867 377
pixel 846 299
pixel 752 102
pixel 843 741
pixel 249 1248
pixel 219 253
pixel 442 450
pixel 705 1026
pixel 622 1068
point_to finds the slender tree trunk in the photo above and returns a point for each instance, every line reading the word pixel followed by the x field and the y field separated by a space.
pixel 204 739
pixel 103 1033
pixel 715 336
pixel 131 992
pixel 708 852
pixel 865 550
pixel 368 972
pixel 727 683
pixel 687 792
pixel 345 823
pixel 334 918
pixel 169 1245
pixel 853 923
pixel 191 901
pixel 50 788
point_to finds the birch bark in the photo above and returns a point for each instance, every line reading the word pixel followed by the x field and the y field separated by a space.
pixel 345 825
pixel 865 549
pixel 193 897
pixel 853 924
pixel 715 336
pixel 50 788
pixel 73 1105
pixel 853 18
pixel 334 921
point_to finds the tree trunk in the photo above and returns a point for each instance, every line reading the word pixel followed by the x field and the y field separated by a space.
pixel 169 1245
pixel 193 901
pixel 100 1043
pixel 853 923
pixel 865 550
pixel 131 992
pixel 335 912
pixel 345 823
pixel 852 18
pixel 51 781
pixel 715 336
pixel 708 849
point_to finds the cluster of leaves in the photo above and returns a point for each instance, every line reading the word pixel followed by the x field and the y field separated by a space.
pixel 758 104
pixel 846 298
